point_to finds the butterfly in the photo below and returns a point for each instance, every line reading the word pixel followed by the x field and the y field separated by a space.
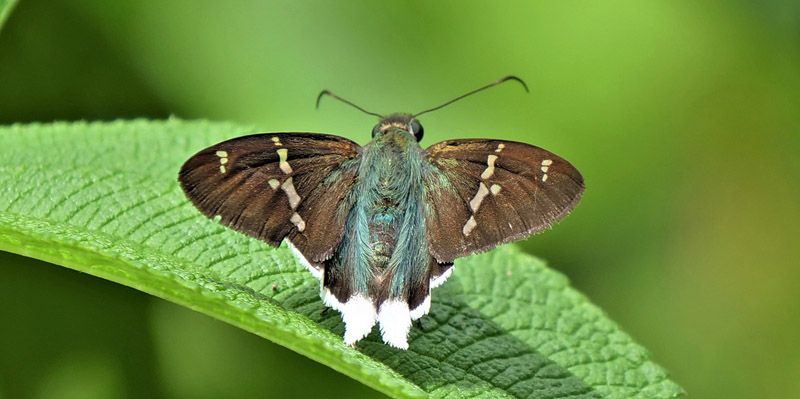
pixel 381 224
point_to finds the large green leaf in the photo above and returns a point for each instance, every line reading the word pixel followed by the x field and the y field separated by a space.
pixel 5 9
pixel 102 198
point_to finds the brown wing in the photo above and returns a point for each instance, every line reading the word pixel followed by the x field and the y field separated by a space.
pixel 277 185
pixel 482 193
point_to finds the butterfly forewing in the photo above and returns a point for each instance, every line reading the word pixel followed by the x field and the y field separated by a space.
pixel 482 193
pixel 276 186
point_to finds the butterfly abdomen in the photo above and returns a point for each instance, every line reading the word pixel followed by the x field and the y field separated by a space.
pixel 384 253
pixel 382 241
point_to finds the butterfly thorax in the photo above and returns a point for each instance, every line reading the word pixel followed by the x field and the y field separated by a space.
pixel 386 239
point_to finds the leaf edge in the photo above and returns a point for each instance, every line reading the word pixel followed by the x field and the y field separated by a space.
pixel 215 305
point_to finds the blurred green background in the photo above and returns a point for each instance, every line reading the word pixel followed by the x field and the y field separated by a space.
pixel 683 116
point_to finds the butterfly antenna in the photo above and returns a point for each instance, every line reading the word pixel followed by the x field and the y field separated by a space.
pixel 327 93
pixel 510 77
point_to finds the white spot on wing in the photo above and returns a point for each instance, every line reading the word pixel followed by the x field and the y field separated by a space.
pixel 294 198
pixel 500 147
pixel 222 169
pixel 298 221
pixel 303 261
pixel 475 203
pixel 544 178
pixel 495 188
pixel 358 314
pixel 395 320
pixel 277 141
pixel 547 162
pixel 489 172
pixel 274 183
pixel 222 154
pixel 283 155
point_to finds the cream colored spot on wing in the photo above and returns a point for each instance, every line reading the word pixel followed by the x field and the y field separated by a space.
pixel 283 154
pixel 500 147
pixel 495 188
pixel 469 226
pixel 489 172
pixel 274 183
pixel 277 141
pixel 291 193
pixel 475 203
pixel 223 159
pixel 298 221
pixel 545 165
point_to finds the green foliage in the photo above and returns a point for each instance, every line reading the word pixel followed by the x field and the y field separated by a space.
pixel 102 198
pixel 5 8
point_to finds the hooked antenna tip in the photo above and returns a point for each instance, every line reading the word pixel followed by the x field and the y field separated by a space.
pixel 512 77
pixel 319 97
pixel 495 83
pixel 326 92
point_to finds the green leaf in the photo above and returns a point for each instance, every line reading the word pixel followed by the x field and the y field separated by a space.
pixel 5 9
pixel 103 198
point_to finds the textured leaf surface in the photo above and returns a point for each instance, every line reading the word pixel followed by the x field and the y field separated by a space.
pixel 102 198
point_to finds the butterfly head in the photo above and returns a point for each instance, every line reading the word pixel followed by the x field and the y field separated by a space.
pixel 404 122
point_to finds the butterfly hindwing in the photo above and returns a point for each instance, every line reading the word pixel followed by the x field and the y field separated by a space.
pixel 482 193
pixel 276 186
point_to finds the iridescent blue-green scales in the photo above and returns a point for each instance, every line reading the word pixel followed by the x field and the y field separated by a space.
pixel 383 256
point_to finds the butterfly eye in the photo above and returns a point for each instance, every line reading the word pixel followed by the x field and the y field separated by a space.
pixel 416 129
